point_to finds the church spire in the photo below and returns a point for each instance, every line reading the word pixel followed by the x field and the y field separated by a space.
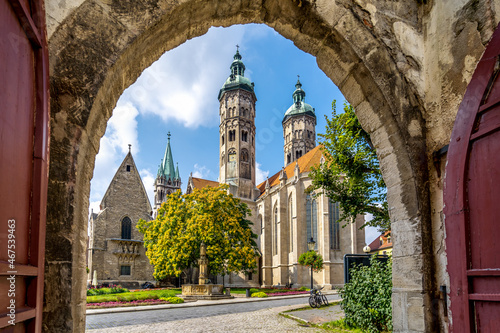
pixel 299 94
pixel 237 66
pixel 167 167
pixel 168 179
pixel 177 176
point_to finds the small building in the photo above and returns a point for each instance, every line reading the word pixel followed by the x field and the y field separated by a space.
pixel 116 252
pixel 382 245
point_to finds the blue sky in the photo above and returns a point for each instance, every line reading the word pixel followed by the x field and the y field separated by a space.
pixel 178 94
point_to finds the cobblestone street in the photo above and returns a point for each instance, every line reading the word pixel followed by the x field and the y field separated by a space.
pixel 266 320
pixel 236 315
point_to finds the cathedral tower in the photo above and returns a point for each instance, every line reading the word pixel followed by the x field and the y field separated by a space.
pixel 237 131
pixel 299 127
pixel 167 180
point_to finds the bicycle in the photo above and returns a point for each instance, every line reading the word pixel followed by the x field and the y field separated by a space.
pixel 317 298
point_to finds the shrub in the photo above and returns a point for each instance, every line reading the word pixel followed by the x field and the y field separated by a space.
pixel 92 292
pixel 104 291
pixel 118 289
pixel 259 294
pixel 303 289
pixel 173 299
pixel 366 299
pixel 254 290
pixel 166 293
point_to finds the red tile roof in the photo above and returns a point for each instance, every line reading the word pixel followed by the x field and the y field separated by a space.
pixel 200 183
pixel 375 245
pixel 305 162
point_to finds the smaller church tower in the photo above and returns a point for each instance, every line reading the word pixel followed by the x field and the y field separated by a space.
pixel 299 127
pixel 167 180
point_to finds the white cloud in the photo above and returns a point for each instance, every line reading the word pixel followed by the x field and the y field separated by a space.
pixel 260 175
pixel 201 171
pixel 148 179
pixel 180 85
pixel 94 207
pixel 122 128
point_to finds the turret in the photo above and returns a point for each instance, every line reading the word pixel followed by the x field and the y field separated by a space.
pixel 299 126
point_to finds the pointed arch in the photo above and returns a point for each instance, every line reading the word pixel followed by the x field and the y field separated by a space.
pixel 275 228
pixel 126 228
pixel 312 219
pixel 333 220
pixel 291 219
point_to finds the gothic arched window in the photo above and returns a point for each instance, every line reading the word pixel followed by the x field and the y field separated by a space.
pixel 312 220
pixel 290 218
pixel 275 229
pixel 244 155
pixel 333 217
pixel 260 229
pixel 126 228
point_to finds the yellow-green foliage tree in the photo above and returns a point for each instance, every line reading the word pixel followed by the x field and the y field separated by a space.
pixel 209 215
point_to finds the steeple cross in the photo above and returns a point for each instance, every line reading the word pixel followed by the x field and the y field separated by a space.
pixel 129 146
pixel 237 47
pixel 298 77
pixel 168 134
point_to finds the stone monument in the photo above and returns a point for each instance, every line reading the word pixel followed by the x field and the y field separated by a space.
pixel 204 289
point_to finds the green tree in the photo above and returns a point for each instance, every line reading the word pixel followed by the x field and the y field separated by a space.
pixel 311 259
pixel 209 215
pixel 366 299
pixel 351 174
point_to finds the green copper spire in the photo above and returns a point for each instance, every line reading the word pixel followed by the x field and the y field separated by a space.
pixel 167 165
pixel 299 106
pixel 177 176
pixel 160 169
pixel 237 66
pixel 237 79
pixel 298 95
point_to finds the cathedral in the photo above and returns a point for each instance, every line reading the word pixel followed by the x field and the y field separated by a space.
pixel 285 215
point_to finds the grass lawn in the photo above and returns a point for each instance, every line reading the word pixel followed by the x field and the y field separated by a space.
pixel 267 291
pixel 134 295
pixel 157 293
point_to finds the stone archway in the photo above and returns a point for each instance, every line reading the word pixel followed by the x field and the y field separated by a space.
pixel 99 49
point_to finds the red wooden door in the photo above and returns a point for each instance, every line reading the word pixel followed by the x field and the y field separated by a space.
pixel 472 201
pixel 24 121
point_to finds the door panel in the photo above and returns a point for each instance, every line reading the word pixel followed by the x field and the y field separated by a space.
pixel 24 122
pixel 472 201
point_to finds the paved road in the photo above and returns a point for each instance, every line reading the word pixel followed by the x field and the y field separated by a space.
pixel 100 321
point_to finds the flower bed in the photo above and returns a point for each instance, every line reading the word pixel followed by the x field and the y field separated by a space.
pixel 124 303
pixel 286 293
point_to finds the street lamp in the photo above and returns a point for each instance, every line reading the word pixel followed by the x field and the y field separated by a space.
pixel 310 246
pixel 367 249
